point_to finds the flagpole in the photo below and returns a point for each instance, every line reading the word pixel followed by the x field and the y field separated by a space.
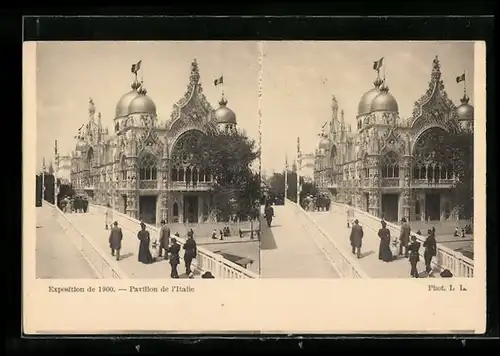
pixel 286 178
pixel 465 84
pixel 222 85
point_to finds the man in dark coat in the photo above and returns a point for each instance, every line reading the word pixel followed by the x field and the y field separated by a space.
pixel 430 251
pixel 269 214
pixel 164 238
pixel 115 240
pixel 414 256
pixel 189 253
pixel 356 238
pixel 174 259
pixel 404 237
pixel 85 205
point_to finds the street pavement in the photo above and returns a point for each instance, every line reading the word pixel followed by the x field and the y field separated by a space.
pixel 57 257
pixel 287 252
pixel 91 224
pixel 335 225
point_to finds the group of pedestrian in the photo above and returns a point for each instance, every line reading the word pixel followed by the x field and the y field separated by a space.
pixel 167 246
pixel 409 247
pixel 76 204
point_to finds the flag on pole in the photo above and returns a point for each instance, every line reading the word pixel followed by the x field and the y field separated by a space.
pixel 219 81
pixel 378 64
pixel 461 78
pixel 136 67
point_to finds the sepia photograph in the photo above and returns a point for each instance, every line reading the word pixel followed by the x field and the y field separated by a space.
pixel 368 160
pixel 147 160
pixel 344 178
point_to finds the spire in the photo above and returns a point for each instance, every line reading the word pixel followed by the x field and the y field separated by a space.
pixel 91 107
pixel 195 74
pixel 342 122
pixel 436 69
pixel 335 104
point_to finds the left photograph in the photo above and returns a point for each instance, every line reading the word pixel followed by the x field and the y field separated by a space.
pixel 148 160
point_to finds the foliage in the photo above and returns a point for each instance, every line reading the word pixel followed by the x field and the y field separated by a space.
pixel 228 156
pixel 457 149
pixel 277 186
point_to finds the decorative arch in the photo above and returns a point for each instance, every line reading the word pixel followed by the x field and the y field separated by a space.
pixel 389 165
pixel 431 160
pixel 148 166
pixel 187 159
pixel 123 167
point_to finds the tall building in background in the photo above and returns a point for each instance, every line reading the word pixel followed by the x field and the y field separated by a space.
pixel 385 166
pixel 147 168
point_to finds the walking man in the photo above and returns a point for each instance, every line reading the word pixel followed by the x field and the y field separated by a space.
pixel 189 253
pixel 163 240
pixel 356 238
pixel 115 240
pixel 430 251
pixel 414 256
pixel 174 250
pixel 404 237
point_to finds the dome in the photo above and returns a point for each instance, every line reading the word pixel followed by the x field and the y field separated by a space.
pixel 384 102
pixel 124 102
pixel 465 111
pixel 224 115
pixel 364 106
pixel 142 104
pixel 324 143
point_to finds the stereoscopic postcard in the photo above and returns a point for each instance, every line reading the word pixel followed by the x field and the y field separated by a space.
pixel 333 187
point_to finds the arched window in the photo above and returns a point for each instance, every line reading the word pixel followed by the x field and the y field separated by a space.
pixel 390 165
pixel 174 174
pixel 188 175
pixel 175 209
pixel 431 156
pixel 123 168
pixel 148 167
pixel 201 175
pixel 195 175
pixel 181 175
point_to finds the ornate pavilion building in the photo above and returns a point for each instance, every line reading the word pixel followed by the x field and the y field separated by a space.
pixel 384 167
pixel 146 168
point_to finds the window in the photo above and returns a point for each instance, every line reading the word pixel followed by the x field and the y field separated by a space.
pixel 390 165
pixel 148 167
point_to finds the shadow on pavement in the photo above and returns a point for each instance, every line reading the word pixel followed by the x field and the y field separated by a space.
pixel 367 253
pixel 125 256
pixel 267 241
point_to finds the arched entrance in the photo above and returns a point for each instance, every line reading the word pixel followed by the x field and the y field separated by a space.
pixel 188 169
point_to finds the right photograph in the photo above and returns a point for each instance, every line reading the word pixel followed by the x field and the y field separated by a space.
pixel 367 160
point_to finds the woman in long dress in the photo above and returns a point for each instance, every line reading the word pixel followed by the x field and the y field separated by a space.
pixel 384 252
pixel 109 215
pixel 144 252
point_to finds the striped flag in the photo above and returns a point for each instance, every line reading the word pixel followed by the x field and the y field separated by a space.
pixel 219 81
pixel 378 64
pixel 136 67
pixel 461 78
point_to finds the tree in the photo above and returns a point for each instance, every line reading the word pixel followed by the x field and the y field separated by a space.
pixel 457 149
pixel 228 156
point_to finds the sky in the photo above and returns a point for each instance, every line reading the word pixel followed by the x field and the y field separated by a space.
pixel 69 73
pixel 299 79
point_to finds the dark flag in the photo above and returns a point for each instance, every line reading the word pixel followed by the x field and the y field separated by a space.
pixel 136 67
pixel 219 81
pixel 461 78
pixel 378 64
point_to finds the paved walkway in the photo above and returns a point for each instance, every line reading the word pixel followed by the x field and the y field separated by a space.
pixel 285 251
pixel 91 224
pixel 56 255
pixel 334 224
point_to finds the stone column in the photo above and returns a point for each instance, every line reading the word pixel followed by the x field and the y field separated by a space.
pixel 406 188
pixel 132 187
pixel 200 209
pixel 374 207
pixel 165 189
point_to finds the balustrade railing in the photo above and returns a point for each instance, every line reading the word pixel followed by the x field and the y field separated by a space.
pixel 96 258
pixel 205 260
pixel 345 265
pixel 446 258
